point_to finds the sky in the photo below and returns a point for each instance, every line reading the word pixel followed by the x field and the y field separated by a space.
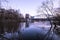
pixel 25 6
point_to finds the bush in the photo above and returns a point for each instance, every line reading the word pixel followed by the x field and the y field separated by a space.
pixel 9 20
pixel 56 22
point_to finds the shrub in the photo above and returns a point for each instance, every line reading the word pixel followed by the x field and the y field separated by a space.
pixel 9 20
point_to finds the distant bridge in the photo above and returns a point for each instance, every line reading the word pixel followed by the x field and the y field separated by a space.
pixel 41 17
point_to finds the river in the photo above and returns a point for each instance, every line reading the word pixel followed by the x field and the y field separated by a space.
pixel 35 31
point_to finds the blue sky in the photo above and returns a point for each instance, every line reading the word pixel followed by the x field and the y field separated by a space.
pixel 25 6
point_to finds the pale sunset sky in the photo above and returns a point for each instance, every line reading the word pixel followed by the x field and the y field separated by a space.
pixel 25 6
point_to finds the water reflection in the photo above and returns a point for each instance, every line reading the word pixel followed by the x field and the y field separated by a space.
pixel 35 31
pixel 27 24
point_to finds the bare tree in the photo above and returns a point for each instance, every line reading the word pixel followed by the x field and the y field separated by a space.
pixel 47 8
pixel 1 1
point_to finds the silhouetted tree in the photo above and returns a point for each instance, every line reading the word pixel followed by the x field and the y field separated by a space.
pixel 47 8
pixel 9 20
pixel 56 20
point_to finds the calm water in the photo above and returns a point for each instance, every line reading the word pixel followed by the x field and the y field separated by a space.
pixel 35 29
